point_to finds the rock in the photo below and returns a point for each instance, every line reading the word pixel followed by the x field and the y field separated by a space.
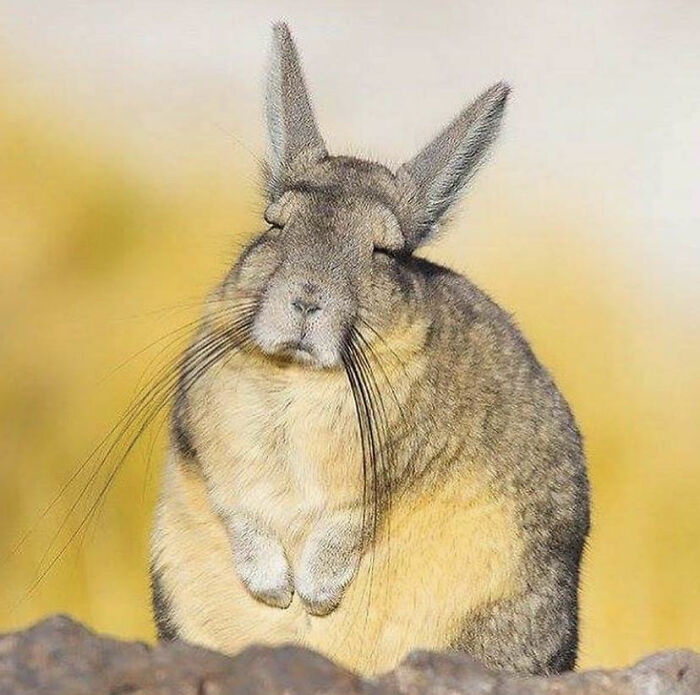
pixel 61 657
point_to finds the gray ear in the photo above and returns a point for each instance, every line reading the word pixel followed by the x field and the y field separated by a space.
pixel 437 174
pixel 290 119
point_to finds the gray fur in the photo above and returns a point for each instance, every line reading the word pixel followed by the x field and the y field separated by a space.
pixel 340 248
pixel 444 167
pixel 290 120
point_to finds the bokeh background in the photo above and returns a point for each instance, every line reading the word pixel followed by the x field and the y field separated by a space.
pixel 130 134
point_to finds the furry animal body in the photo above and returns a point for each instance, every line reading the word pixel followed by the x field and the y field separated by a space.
pixel 366 458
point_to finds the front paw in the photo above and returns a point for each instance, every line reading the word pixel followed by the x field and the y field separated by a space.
pixel 318 599
pixel 261 562
pixel 276 594
pixel 269 580
pixel 321 588
pixel 328 563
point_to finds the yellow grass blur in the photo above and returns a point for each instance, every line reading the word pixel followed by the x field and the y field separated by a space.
pixel 100 257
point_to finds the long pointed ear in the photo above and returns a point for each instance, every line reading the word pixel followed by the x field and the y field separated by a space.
pixel 290 119
pixel 434 178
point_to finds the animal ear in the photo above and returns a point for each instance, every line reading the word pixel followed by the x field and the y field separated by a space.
pixel 290 120
pixel 434 178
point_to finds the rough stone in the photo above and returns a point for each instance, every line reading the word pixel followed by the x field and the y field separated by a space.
pixel 61 657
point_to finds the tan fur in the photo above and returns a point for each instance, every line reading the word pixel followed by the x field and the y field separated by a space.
pixel 448 543
pixel 450 539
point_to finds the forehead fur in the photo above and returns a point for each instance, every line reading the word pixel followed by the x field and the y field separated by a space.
pixel 349 178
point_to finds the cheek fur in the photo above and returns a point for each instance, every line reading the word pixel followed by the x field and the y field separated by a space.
pixel 381 295
pixel 256 267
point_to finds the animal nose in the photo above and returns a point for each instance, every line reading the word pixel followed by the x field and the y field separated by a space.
pixel 306 307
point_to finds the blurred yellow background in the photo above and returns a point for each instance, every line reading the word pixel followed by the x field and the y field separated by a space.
pixel 128 182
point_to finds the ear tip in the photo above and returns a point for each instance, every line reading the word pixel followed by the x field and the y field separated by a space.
pixel 280 31
pixel 499 91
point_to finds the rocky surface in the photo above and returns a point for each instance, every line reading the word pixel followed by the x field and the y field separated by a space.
pixel 61 657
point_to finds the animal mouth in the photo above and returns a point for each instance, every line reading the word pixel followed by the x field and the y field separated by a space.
pixel 295 349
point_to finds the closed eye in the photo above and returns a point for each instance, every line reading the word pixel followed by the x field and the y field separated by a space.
pixel 271 222
pixel 273 230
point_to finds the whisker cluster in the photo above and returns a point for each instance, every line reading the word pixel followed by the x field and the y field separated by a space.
pixel 361 364
pixel 226 329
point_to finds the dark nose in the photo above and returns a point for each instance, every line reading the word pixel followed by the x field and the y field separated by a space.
pixel 306 307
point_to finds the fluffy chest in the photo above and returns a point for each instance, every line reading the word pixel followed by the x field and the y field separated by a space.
pixel 281 443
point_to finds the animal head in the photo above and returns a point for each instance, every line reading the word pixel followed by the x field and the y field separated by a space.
pixel 340 229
